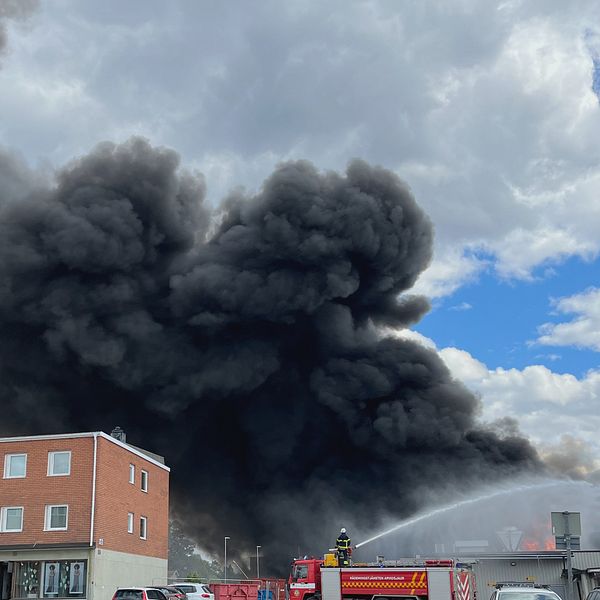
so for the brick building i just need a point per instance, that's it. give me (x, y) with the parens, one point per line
(80, 514)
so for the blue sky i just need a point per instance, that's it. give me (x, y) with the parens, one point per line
(488, 110)
(498, 320)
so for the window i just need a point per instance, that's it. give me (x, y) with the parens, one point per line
(155, 595)
(131, 473)
(143, 527)
(129, 595)
(11, 518)
(59, 463)
(144, 481)
(57, 517)
(51, 579)
(300, 572)
(77, 578)
(129, 522)
(15, 465)
(26, 579)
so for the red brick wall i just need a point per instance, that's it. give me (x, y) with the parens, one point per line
(115, 497)
(37, 490)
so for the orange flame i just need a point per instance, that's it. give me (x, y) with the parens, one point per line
(539, 537)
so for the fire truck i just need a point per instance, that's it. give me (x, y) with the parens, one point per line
(311, 579)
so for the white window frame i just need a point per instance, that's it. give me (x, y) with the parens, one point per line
(7, 458)
(51, 456)
(144, 528)
(130, 522)
(48, 515)
(131, 473)
(144, 481)
(3, 517)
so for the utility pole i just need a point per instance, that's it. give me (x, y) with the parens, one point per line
(569, 561)
(257, 563)
(566, 528)
(225, 560)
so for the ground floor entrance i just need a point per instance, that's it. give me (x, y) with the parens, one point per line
(53, 579)
(5, 580)
(83, 573)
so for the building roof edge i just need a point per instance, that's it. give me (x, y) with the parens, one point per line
(88, 434)
(133, 450)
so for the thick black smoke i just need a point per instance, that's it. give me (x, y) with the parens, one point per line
(242, 345)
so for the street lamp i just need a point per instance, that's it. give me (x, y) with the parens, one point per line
(225, 561)
(257, 563)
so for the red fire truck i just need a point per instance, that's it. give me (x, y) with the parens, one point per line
(432, 580)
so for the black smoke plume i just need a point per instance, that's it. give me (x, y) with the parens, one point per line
(241, 344)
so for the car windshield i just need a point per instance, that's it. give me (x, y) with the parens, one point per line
(528, 595)
(129, 594)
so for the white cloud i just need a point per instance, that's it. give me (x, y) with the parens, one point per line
(522, 250)
(584, 330)
(463, 366)
(559, 412)
(449, 271)
(533, 384)
(547, 405)
(408, 334)
(461, 307)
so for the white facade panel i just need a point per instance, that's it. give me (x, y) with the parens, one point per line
(331, 584)
(438, 584)
(117, 569)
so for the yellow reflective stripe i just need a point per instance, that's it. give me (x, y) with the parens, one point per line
(417, 585)
(412, 587)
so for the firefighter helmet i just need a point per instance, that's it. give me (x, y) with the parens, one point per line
(343, 530)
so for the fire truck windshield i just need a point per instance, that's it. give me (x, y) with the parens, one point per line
(300, 572)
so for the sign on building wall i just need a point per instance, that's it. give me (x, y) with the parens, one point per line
(566, 523)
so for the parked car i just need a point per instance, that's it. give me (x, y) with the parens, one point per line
(138, 593)
(594, 594)
(171, 592)
(523, 592)
(195, 591)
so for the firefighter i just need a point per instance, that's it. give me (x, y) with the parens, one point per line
(342, 546)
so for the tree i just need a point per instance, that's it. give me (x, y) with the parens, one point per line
(185, 558)
(181, 549)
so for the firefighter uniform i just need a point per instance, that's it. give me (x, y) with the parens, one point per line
(342, 545)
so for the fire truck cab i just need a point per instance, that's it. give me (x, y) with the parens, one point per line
(305, 579)
(432, 580)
